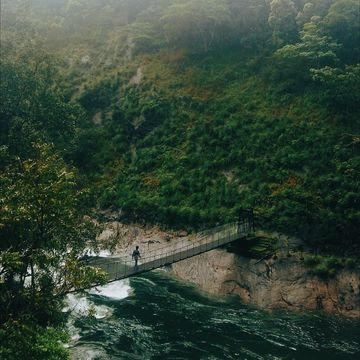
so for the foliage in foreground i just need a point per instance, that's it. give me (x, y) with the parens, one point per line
(43, 232)
(24, 339)
(42, 237)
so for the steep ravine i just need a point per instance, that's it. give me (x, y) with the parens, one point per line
(281, 283)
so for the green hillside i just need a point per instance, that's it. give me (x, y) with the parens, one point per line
(238, 104)
(245, 123)
(214, 135)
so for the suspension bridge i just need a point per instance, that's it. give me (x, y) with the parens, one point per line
(121, 267)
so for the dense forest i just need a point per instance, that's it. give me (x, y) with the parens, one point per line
(174, 112)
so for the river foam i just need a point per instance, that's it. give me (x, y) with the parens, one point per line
(81, 306)
(116, 290)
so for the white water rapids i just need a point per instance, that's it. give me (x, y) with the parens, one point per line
(79, 305)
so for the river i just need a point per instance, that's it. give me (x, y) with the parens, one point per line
(155, 316)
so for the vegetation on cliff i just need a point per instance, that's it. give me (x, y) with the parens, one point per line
(196, 109)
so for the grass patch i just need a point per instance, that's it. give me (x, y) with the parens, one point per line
(327, 267)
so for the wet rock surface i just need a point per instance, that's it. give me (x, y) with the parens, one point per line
(282, 283)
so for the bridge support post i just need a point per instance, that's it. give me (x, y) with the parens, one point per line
(246, 221)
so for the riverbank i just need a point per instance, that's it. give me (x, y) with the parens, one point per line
(278, 282)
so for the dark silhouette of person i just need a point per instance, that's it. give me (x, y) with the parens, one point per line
(136, 256)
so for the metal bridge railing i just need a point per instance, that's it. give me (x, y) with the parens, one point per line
(202, 237)
(122, 267)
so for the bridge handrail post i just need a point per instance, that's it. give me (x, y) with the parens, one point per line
(253, 220)
(107, 270)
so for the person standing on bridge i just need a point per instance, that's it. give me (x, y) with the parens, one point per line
(136, 256)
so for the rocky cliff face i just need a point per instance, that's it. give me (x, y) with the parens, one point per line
(272, 284)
